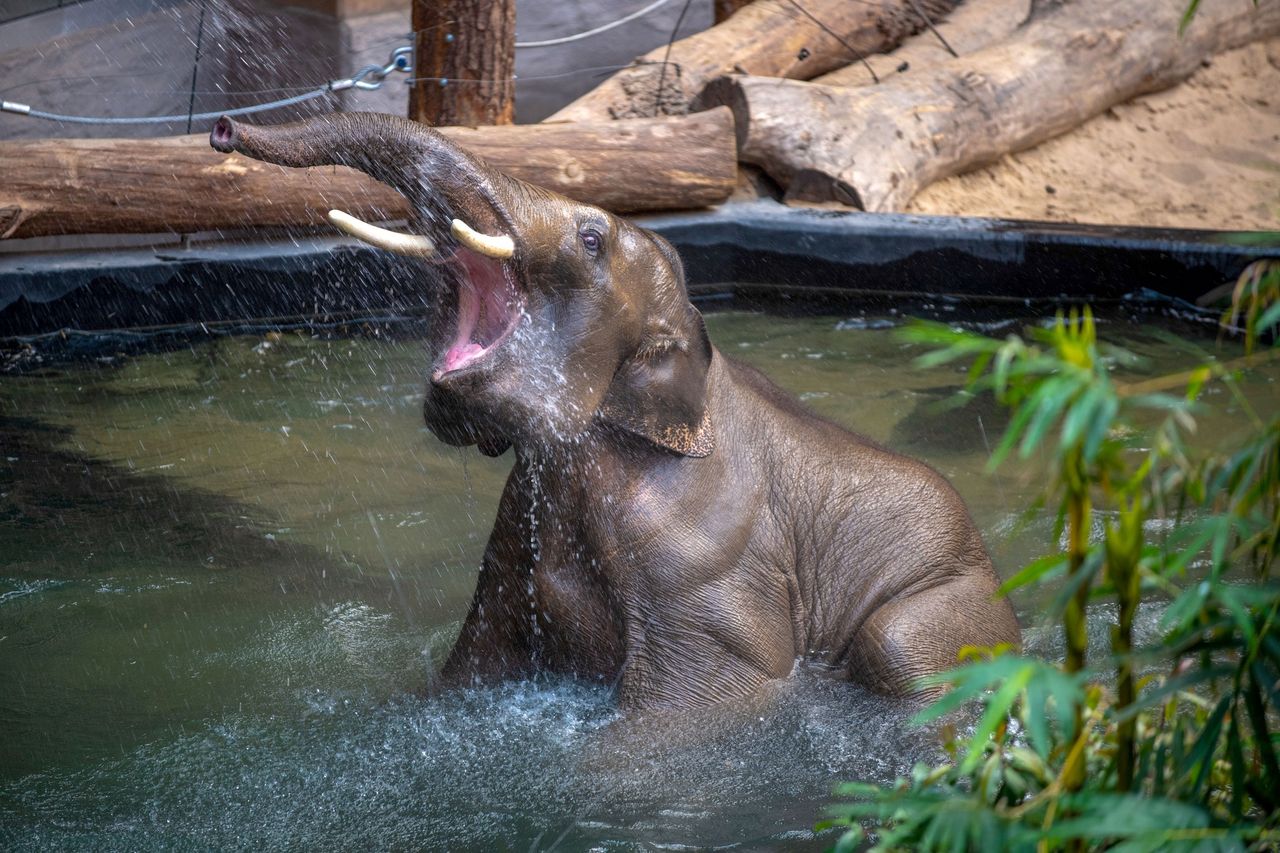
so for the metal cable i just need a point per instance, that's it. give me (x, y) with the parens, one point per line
(195, 68)
(400, 61)
(594, 32)
(857, 56)
(666, 59)
(23, 109)
(928, 23)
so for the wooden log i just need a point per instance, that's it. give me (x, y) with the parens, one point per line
(179, 184)
(970, 27)
(874, 147)
(770, 38)
(464, 58)
(724, 9)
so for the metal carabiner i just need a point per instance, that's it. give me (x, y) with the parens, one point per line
(401, 60)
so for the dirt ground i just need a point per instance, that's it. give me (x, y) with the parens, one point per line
(1204, 154)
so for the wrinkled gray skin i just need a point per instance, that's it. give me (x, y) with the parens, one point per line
(674, 523)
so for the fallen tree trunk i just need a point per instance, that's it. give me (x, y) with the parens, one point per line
(971, 26)
(770, 38)
(179, 184)
(875, 147)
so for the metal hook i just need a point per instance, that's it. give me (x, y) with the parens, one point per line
(401, 60)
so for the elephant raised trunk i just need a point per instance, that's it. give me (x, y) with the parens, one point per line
(443, 183)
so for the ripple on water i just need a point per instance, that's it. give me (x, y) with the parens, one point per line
(18, 588)
(517, 764)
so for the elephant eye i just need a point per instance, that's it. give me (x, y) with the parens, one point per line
(592, 240)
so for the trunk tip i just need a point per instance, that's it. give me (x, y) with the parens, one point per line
(223, 137)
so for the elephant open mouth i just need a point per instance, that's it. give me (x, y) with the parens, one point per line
(489, 301)
(489, 306)
(453, 201)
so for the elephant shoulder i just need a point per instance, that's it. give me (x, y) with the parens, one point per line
(759, 401)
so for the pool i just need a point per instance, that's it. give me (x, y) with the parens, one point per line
(230, 565)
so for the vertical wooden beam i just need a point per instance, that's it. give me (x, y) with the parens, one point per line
(726, 8)
(464, 62)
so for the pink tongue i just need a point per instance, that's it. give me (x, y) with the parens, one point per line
(460, 355)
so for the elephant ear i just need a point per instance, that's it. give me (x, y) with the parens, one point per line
(660, 392)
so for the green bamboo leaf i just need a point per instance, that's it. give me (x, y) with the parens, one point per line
(1186, 541)
(1159, 402)
(1172, 686)
(1036, 717)
(1081, 414)
(1270, 648)
(1258, 595)
(1030, 763)
(1230, 599)
(968, 683)
(978, 367)
(1101, 424)
(1187, 16)
(997, 711)
(850, 840)
(1067, 692)
(1000, 373)
(1162, 759)
(1011, 434)
(1104, 816)
(1051, 397)
(1223, 840)
(1269, 318)
(1235, 758)
(1184, 609)
(1048, 565)
(939, 357)
(1206, 745)
(1093, 561)
(858, 789)
(1263, 743)
(945, 704)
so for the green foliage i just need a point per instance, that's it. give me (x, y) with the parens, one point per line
(1171, 745)
(1189, 13)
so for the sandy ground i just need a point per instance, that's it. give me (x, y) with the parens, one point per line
(1204, 154)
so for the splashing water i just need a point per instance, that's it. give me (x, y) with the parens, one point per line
(211, 629)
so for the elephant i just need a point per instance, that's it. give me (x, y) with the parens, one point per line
(674, 524)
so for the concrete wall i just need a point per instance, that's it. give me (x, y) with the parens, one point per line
(140, 57)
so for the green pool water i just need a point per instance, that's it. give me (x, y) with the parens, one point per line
(225, 569)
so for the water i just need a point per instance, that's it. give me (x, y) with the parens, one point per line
(226, 570)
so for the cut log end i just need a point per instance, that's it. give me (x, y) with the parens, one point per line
(725, 92)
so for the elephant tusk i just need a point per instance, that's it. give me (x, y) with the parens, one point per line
(501, 247)
(393, 241)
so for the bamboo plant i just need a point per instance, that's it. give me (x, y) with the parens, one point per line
(1123, 746)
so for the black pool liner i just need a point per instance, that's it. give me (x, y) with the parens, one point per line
(758, 253)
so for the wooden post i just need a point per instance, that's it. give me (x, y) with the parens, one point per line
(464, 62)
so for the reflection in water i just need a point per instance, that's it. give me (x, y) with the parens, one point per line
(227, 569)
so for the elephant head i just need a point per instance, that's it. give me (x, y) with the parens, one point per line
(554, 315)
